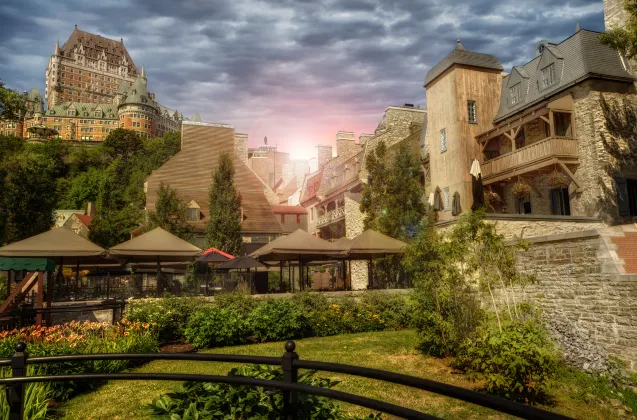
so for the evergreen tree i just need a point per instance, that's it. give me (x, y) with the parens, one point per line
(392, 199)
(223, 231)
(624, 39)
(170, 213)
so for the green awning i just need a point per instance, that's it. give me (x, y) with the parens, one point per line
(27, 264)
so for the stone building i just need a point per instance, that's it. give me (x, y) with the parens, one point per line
(189, 172)
(88, 68)
(291, 218)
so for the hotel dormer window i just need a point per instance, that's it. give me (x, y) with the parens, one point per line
(515, 94)
(548, 76)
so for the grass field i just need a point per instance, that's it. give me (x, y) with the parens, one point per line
(390, 350)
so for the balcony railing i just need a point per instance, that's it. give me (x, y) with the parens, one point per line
(529, 157)
(330, 217)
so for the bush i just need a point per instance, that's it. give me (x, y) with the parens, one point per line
(218, 401)
(169, 313)
(216, 327)
(518, 362)
(276, 320)
(395, 311)
(240, 302)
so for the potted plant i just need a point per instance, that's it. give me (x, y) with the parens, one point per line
(521, 190)
(557, 179)
(491, 198)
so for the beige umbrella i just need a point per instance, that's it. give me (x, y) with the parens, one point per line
(299, 245)
(372, 244)
(155, 246)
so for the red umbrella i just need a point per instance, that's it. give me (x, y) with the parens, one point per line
(214, 256)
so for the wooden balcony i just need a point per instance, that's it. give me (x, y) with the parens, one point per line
(331, 217)
(550, 151)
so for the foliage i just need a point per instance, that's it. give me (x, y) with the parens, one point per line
(557, 179)
(170, 213)
(624, 39)
(275, 284)
(276, 320)
(223, 230)
(446, 308)
(112, 227)
(241, 302)
(392, 199)
(521, 190)
(75, 338)
(212, 326)
(82, 189)
(12, 103)
(517, 362)
(170, 314)
(491, 198)
(194, 400)
(123, 144)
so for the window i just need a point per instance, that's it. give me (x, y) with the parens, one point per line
(626, 196)
(193, 215)
(472, 112)
(446, 198)
(560, 204)
(548, 76)
(515, 94)
(298, 219)
(562, 124)
(283, 218)
(443, 140)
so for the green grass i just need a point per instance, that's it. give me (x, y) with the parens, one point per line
(389, 350)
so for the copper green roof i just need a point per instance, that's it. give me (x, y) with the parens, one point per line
(83, 110)
(138, 94)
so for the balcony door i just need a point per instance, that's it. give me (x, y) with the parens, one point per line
(563, 124)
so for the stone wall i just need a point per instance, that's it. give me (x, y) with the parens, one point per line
(323, 154)
(354, 227)
(103, 315)
(614, 14)
(579, 285)
(528, 226)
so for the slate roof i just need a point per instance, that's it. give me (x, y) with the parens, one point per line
(82, 109)
(94, 45)
(138, 94)
(460, 55)
(578, 57)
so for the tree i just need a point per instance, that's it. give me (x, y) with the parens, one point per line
(624, 39)
(123, 144)
(170, 213)
(114, 226)
(392, 199)
(28, 195)
(223, 231)
(12, 104)
(82, 189)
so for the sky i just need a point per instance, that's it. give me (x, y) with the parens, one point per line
(294, 71)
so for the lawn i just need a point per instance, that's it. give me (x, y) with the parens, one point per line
(389, 350)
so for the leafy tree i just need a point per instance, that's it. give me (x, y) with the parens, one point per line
(113, 226)
(223, 231)
(10, 145)
(12, 103)
(170, 213)
(123, 144)
(624, 39)
(82, 189)
(28, 195)
(392, 200)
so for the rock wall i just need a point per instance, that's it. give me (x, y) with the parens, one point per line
(354, 227)
(614, 14)
(581, 290)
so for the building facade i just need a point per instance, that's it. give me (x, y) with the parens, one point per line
(88, 68)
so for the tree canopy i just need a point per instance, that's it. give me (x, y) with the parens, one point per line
(170, 213)
(12, 103)
(223, 230)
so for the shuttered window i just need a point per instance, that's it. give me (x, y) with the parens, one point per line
(443, 140)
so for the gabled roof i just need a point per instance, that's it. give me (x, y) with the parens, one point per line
(460, 55)
(578, 57)
(85, 219)
(313, 181)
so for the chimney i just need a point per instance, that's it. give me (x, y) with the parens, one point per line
(324, 155)
(409, 105)
(241, 146)
(363, 138)
(345, 144)
(90, 209)
(288, 172)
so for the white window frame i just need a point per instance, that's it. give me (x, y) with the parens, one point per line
(548, 76)
(514, 91)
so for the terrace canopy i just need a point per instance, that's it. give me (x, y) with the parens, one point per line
(214, 256)
(158, 246)
(299, 246)
(372, 244)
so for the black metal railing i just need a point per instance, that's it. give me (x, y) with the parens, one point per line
(290, 364)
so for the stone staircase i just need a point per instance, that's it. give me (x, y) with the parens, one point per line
(621, 242)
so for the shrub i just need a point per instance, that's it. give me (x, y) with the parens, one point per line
(169, 313)
(216, 400)
(518, 362)
(521, 190)
(216, 327)
(240, 302)
(277, 319)
(394, 310)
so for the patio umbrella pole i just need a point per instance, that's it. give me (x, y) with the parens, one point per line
(77, 279)
(281, 276)
(158, 278)
(290, 278)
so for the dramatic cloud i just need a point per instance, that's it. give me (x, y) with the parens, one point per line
(296, 71)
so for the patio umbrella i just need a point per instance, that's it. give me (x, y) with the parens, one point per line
(240, 263)
(455, 206)
(214, 257)
(155, 246)
(371, 244)
(299, 245)
(477, 188)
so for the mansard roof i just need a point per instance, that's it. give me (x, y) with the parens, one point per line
(83, 110)
(580, 56)
(94, 45)
(460, 55)
(138, 94)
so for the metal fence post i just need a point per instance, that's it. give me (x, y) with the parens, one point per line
(290, 375)
(16, 391)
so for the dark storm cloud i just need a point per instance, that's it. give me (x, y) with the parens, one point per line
(325, 65)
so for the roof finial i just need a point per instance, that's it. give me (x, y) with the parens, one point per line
(56, 49)
(459, 45)
(577, 27)
(76, 26)
(143, 72)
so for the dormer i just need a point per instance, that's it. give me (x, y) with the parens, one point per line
(194, 211)
(517, 86)
(549, 68)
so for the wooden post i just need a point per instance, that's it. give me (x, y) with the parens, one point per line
(49, 296)
(39, 299)
(551, 123)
